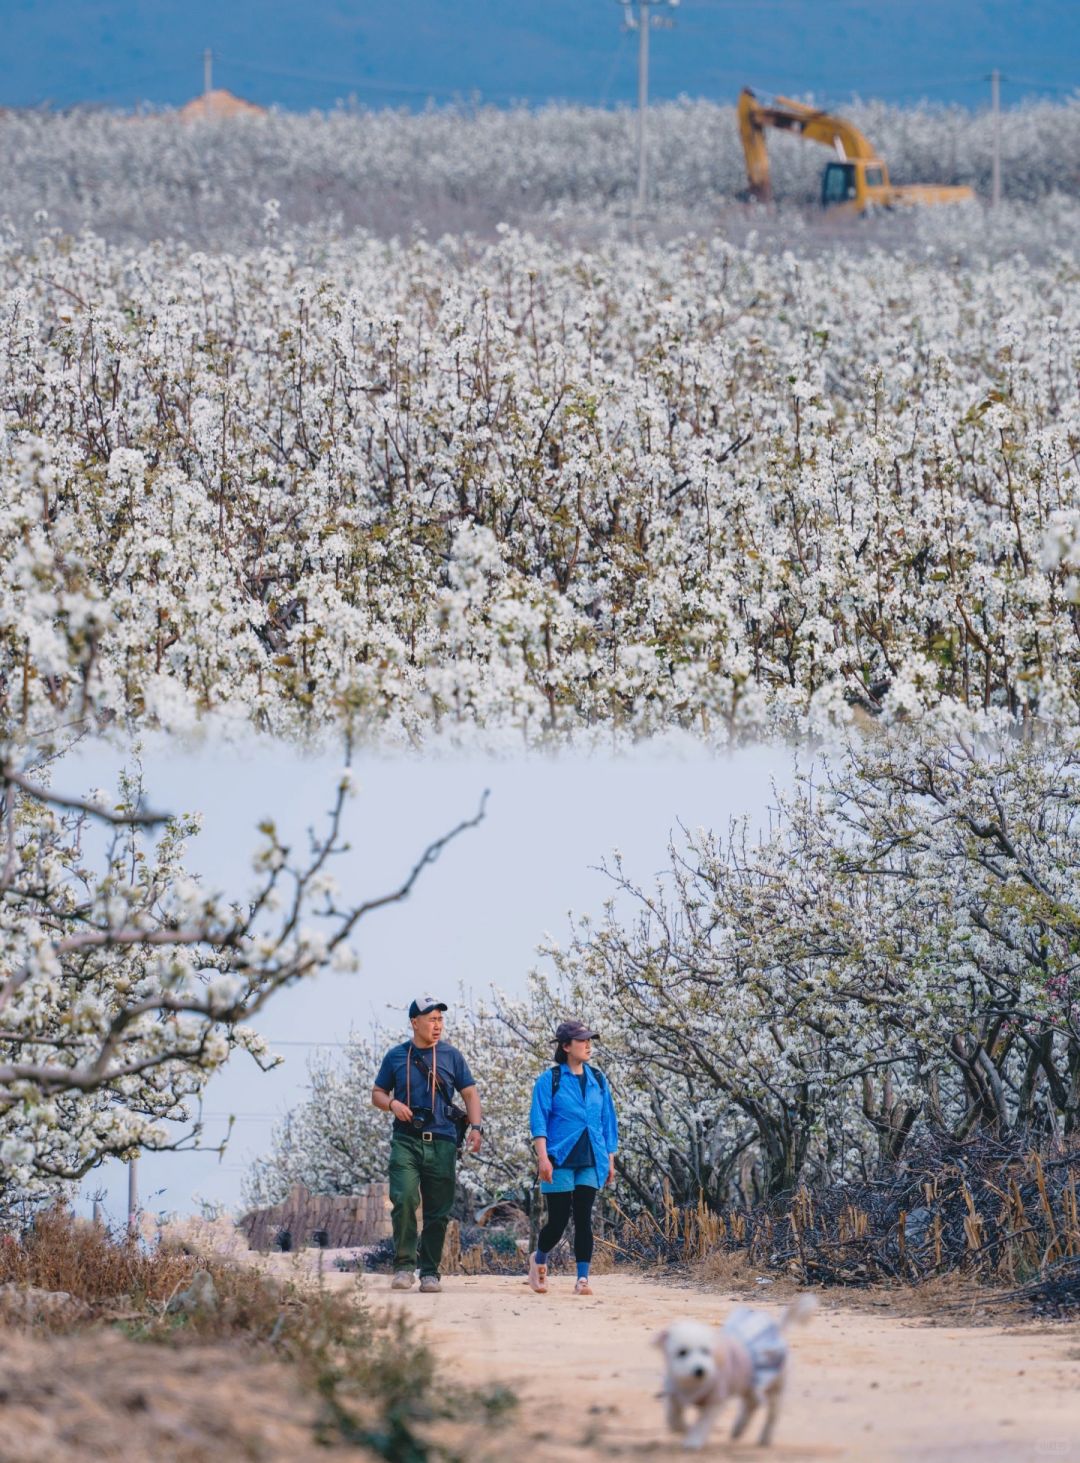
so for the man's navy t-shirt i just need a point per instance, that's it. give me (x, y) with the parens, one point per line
(448, 1064)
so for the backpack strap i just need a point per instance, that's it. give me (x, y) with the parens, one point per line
(556, 1078)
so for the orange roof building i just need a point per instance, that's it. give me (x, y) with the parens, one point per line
(213, 106)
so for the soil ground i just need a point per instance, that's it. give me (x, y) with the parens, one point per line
(864, 1384)
(98, 1397)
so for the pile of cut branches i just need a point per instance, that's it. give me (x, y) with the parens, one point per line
(989, 1209)
(1054, 1293)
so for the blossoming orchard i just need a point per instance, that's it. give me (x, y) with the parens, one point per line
(549, 480)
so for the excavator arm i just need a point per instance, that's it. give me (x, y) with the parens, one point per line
(788, 116)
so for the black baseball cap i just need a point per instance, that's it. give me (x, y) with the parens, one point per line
(575, 1031)
(421, 1005)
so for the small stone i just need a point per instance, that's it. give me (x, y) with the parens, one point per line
(32, 1302)
(270, 1286)
(199, 1299)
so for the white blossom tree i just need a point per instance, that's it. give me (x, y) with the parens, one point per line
(457, 170)
(335, 1141)
(515, 491)
(124, 984)
(898, 955)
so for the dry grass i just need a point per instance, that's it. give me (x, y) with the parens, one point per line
(206, 1238)
(725, 1269)
(369, 1382)
(82, 1260)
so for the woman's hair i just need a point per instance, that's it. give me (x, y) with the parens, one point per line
(560, 1054)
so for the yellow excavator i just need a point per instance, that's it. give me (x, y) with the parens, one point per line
(855, 182)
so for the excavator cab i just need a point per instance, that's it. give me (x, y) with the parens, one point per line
(838, 184)
(857, 184)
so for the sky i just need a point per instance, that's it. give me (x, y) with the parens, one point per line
(312, 54)
(474, 920)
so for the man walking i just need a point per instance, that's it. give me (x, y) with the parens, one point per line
(416, 1085)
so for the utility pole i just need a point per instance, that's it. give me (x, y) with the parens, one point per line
(995, 107)
(644, 26)
(207, 71)
(642, 22)
(133, 1195)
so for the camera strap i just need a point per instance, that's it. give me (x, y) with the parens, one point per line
(431, 1076)
(455, 1114)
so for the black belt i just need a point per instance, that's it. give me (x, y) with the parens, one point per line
(427, 1137)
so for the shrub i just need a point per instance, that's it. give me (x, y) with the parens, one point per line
(379, 1386)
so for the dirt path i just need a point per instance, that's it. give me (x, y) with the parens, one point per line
(862, 1385)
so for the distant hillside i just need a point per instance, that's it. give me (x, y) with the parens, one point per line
(118, 52)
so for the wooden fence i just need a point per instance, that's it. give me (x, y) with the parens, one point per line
(328, 1221)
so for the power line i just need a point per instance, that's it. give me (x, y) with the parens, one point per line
(1066, 86)
(751, 7)
(271, 1042)
(239, 1117)
(361, 84)
(354, 82)
(620, 50)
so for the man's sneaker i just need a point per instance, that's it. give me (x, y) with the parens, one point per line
(430, 1284)
(403, 1280)
(583, 1287)
(537, 1276)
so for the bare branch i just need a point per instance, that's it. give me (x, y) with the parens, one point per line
(80, 805)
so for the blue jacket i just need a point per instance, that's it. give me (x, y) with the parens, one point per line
(563, 1123)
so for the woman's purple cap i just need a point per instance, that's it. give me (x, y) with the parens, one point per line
(575, 1031)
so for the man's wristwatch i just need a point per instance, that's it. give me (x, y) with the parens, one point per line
(476, 1127)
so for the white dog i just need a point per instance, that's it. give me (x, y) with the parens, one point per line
(746, 1359)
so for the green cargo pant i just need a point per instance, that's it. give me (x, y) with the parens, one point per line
(424, 1172)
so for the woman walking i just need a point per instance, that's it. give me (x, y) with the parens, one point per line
(575, 1133)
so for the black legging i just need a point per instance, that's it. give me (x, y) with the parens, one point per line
(558, 1216)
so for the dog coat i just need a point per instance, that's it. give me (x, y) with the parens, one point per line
(763, 1341)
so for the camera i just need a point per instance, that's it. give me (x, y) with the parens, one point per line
(422, 1117)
